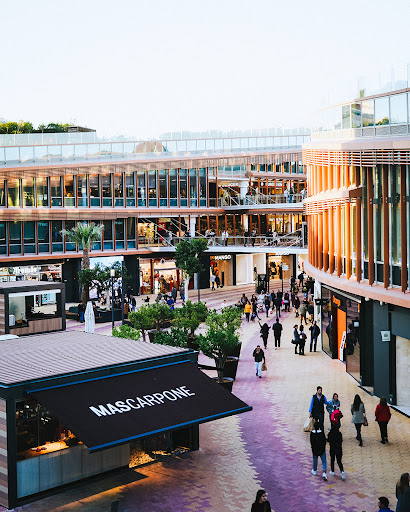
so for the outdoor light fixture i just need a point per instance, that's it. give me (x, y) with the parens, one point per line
(366, 299)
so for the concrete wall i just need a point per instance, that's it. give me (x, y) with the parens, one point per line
(402, 371)
(244, 269)
(381, 350)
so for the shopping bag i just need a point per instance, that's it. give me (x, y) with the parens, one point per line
(309, 424)
(264, 367)
(366, 423)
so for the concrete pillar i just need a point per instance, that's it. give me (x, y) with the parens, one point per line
(243, 187)
(245, 222)
(191, 223)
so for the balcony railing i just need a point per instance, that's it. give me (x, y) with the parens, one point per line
(260, 199)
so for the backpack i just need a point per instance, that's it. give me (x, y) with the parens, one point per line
(302, 336)
(335, 416)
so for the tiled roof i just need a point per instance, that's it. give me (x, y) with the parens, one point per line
(45, 355)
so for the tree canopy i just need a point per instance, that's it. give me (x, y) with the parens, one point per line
(27, 127)
(188, 255)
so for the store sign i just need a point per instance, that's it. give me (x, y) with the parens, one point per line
(337, 302)
(223, 257)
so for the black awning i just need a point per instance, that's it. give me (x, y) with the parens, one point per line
(115, 410)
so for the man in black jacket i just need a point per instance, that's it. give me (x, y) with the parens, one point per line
(259, 356)
(277, 332)
(314, 333)
(317, 406)
(278, 303)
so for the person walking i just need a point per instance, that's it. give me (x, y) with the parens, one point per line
(358, 417)
(278, 303)
(402, 485)
(286, 302)
(332, 405)
(335, 440)
(303, 311)
(383, 416)
(383, 504)
(296, 337)
(297, 305)
(254, 304)
(217, 281)
(317, 406)
(318, 445)
(302, 340)
(245, 238)
(253, 237)
(247, 310)
(213, 281)
(264, 334)
(261, 503)
(259, 356)
(403, 504)
(314, 333)
(291, 194)
(174, 292)
(301, 277)
(277, 332)
(267, 304)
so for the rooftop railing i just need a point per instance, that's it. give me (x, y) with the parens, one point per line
(112, 151)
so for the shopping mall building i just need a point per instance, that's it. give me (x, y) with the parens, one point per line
(146, 195)
(358, 218)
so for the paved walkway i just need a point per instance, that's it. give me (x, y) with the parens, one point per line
(263, 448)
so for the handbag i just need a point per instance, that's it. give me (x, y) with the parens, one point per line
(264, 367)
(365, 423)
(309, 424)
(294, 342)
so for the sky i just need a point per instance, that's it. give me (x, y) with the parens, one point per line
(142, 68)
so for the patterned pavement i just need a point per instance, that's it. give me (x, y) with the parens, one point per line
(263, 448)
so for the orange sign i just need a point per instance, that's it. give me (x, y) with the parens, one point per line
(336, 301)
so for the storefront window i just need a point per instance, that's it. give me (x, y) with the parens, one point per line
(15, 237)
(193, 187)
(183, 187)
(142, 195)
(353, 338)
(326, 327)
(118, 190)
(145, 276)
(3, 238)
(56, 236)
(13, 192)
(165, 275)
(95, 198)
(381, 111)
(398, 109)
(395, 219)
(56, 191)
(82, 195)
(146, 233)
(69, 191)
(29, 237)
(43, 236)
(130, 188)
(28, 192)
(163, 188)
(108, 235)
(173, 187)
(106, 189)
(33, 306)
(131, 226)
(379, 214)
(69, 246)
(368, 113)
(42, 191)
(119, 234)
(152, 188)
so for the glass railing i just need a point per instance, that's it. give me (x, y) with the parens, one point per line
(260, 199)
(134, 150)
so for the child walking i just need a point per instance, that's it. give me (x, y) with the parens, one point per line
(335, 440)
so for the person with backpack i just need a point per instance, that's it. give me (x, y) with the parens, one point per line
(333, 405)
(264, 334)
(302, 340)
(318, 445)
(295, 340)
(277, 332)
(314, 333)
(335, 440)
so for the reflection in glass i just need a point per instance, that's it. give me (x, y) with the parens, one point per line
(106, 189)
(398, 109)
(69, 192)
(95, 190)
(3, 238)
(56, 236)
(131, 225)
(141, 187)
(108, 235)
(183, 187)
(368, 113)
(395, 219)
(69, 225)
(56, 191)
(193, 188)
(163, 188)
(356, 112)
(173, 187)
(82, 195)
(118, 190)
(119, 234)
(152, 188)
(28, 192)
(29, 237)
(130, 188)
(43, 236)
(42, 191)
(13, 192)
(202, 187)
(15, 237)
(2, 193)
(381, 111)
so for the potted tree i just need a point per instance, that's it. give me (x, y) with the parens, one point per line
(189, 317)
(220, 339)
(126, 331)
(84, 235)
(176, 337)
(142, 320)
(188, 254)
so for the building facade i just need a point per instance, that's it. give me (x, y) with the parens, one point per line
(147, 195)
(358, 167)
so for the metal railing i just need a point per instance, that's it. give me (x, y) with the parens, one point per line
(260, 199)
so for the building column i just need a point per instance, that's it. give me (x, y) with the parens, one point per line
(243, 188)
(403, 227)
(331, 242)
(358, 230)
(191, 223)
(386, 228)
(325, 240)
(320, 239)
(348, 244)
(339, 266)
(245, 222)
(370, 222)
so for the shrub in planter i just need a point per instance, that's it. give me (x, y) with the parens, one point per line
(142, 320)
(126, 331)
(176, 337)
(221, 337)
(190, 316)
(160, 314)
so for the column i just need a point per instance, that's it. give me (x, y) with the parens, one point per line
(339, 266)
(245, 222)
(348, 244)
(243, 188)
(326, 240)
(370, 222)
(331, 242)
(386, 228)
(320, 239)
(403, 227)
(358, 230)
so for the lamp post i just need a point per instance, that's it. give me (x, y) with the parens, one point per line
(112, 274)
(122, 293)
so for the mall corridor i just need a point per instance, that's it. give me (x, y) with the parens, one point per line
(265, 448)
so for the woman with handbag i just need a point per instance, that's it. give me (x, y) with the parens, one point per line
(358, 417)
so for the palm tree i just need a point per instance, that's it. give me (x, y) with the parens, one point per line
(84, 235)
